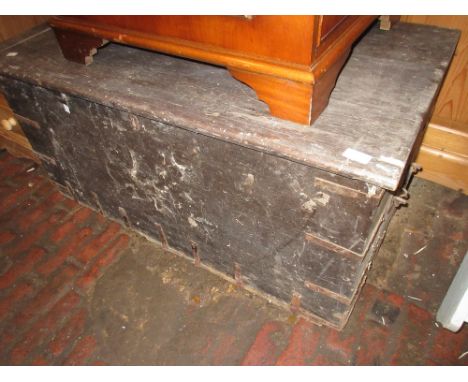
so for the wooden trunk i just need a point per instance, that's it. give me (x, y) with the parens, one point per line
(182, 153)
(292, 62)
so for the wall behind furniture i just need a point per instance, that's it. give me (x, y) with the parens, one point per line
(11, 26)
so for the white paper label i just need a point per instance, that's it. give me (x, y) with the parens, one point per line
(357, 156)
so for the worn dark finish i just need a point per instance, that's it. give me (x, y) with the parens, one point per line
(217, 180)
(385, 90)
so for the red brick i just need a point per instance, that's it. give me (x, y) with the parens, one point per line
(31, 183)
(225, 347)
(18, 294)
(40, 361)
(342, 343)
(99, 363)
(395, 299)
(7, 338)
(33, 217)
(76, 219)
(21, 267)
(36, 235)
(413, 339)
(302, 346)
(13, 199)
(26, 179)
(71, 330)
(35, 197)
(83, 349)
(69, 248)
(205, 350)
(446, 254)
(431, 363)
(6, 159)
(105, 259)
(44, 190)
(101, 219)
(48, 295)
(6, 237)
(57, 217)
(264, 350)
(327, 359)
(56, 197)
(5, 189)
(93, 248)
(11, 168)
(457, 236)
(16, 214)
(36, 215)
(69, 203)
(448, 347)
(372, 345)
(417, 314)
(43, 329)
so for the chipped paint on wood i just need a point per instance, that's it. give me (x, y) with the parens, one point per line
(232, 204)
(380, 93)
(181, 145)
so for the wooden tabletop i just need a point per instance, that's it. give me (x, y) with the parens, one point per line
(377, 111)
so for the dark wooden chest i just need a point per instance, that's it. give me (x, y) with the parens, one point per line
(184, 154)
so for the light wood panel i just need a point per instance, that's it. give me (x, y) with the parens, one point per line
(447, 135)
(444, 154)
(444, 150)
(11, 26)
(452, 103)
(445, 168)
(12, 137)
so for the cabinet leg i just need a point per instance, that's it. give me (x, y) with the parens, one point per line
(295, 101)
(386, 22)
(286, 99)
(78, 47)
(325, 84)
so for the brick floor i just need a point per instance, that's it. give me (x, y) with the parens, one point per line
(78, 289)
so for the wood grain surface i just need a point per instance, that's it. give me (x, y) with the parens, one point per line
(11, 26)
(452, 103)
(382, 122)
(444, 151)
(14, 140)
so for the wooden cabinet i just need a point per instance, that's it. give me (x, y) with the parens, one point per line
(292, 62)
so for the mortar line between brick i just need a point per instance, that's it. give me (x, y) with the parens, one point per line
(54, 249)
(24, 329)
(25, 211)
(22, 198)
(42, 349)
